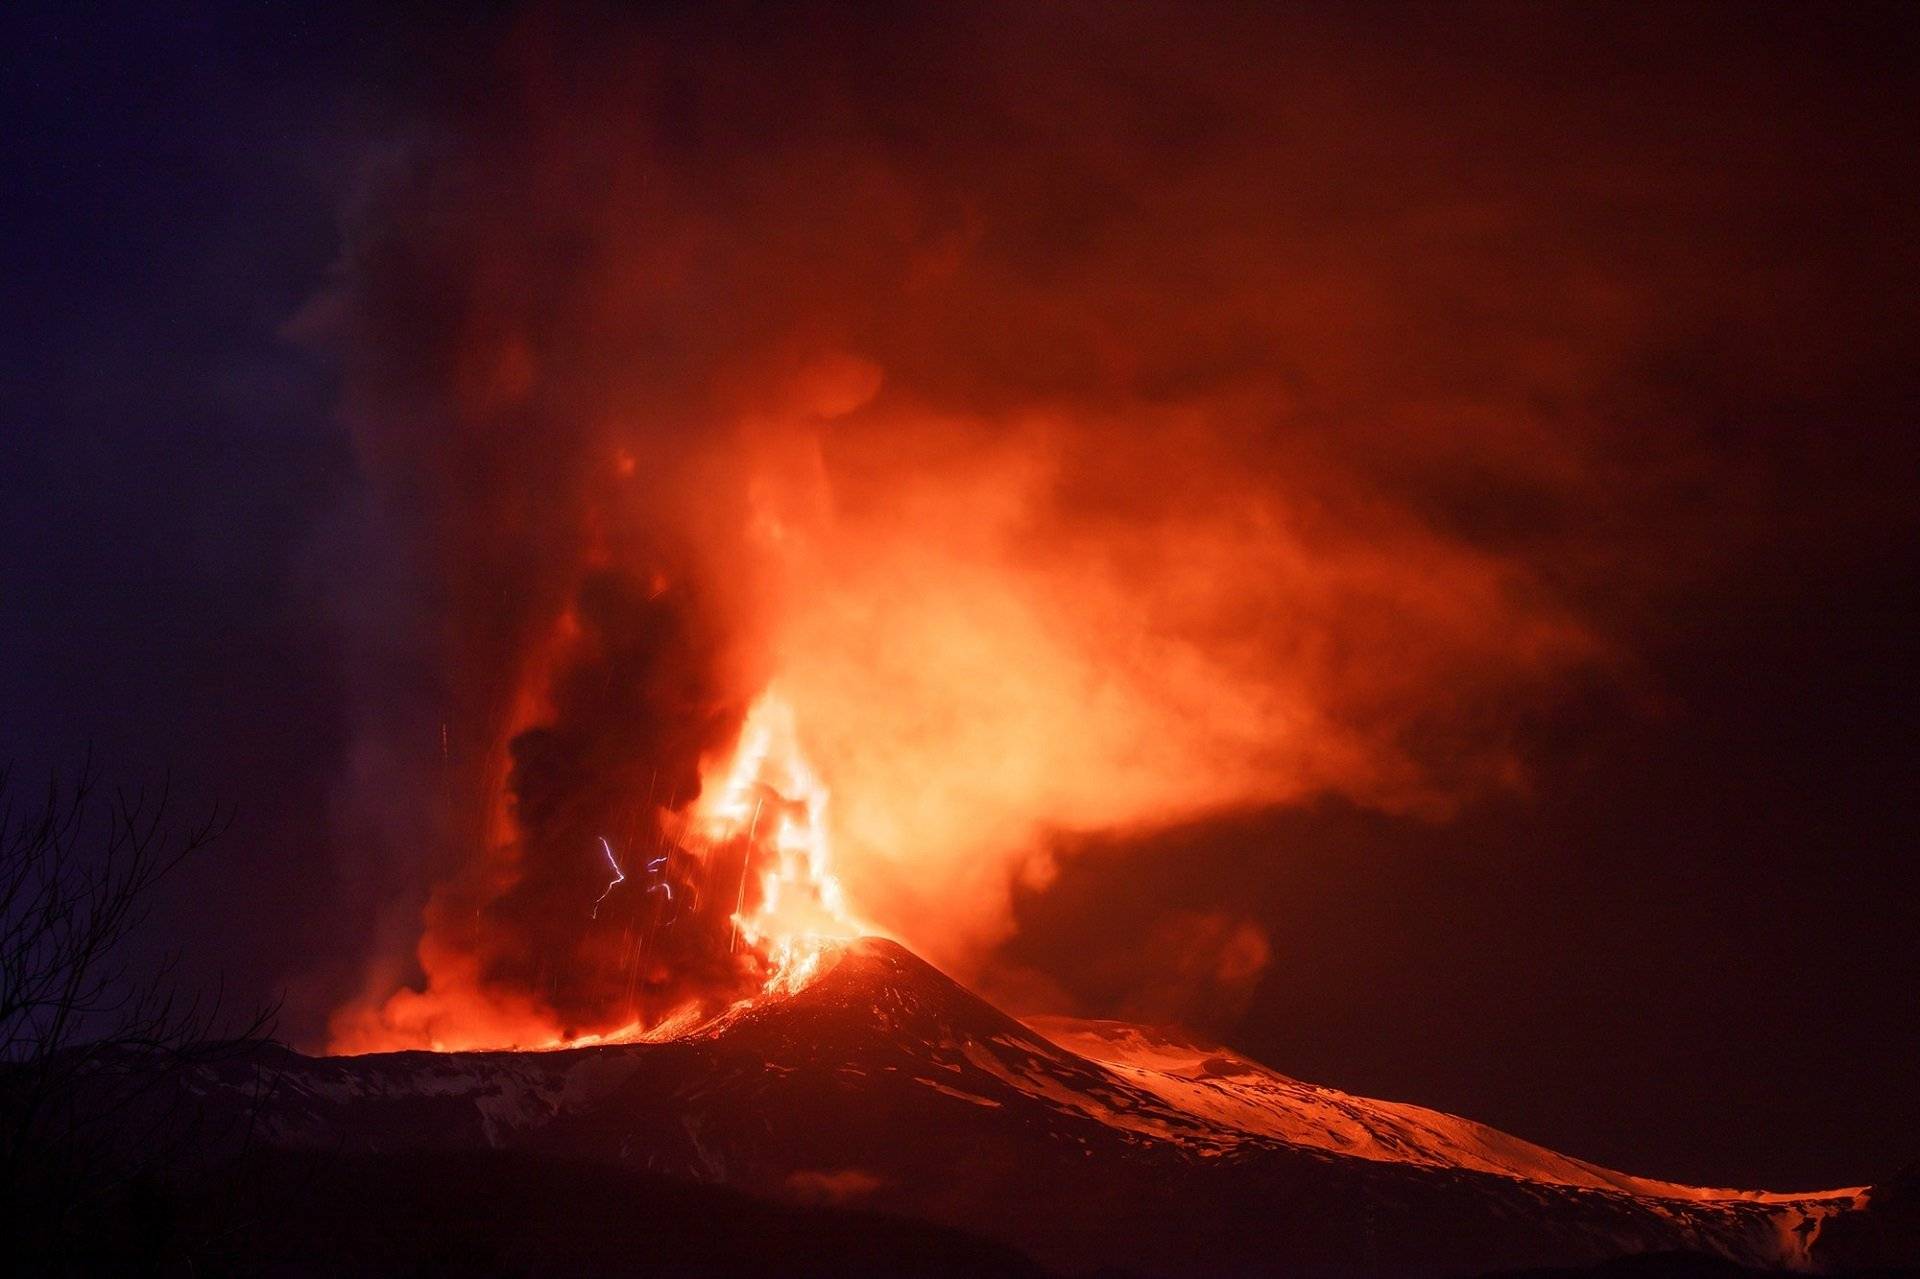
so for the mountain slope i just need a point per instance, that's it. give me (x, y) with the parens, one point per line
(885, 1085)
(1244, 1096)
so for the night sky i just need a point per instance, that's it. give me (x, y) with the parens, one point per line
(1682, 945)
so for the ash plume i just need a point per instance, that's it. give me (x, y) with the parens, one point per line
(1055, 411)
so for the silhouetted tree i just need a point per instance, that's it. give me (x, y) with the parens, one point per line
(95, 1046)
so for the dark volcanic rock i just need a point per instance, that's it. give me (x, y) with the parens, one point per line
(885, 1086)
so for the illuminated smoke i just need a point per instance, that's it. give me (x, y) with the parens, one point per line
(1045, 447)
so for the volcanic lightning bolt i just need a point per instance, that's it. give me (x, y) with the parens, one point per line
(619, 878)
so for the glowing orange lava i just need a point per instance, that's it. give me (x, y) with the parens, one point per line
(756, 853)
(769, 795)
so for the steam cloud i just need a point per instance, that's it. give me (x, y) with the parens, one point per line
(1086, 419)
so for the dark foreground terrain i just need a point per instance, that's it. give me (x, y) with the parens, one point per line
(886, 1121)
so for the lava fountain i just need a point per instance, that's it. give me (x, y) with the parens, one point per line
(801, 908)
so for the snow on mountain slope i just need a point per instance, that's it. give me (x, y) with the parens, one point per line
(1240, 1094)
(885, 1084)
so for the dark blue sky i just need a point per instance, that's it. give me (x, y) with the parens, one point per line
(167, 458)
(1688, 952)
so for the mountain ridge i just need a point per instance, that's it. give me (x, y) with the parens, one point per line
(884, 1085)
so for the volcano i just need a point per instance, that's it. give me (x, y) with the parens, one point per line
(885, 1090)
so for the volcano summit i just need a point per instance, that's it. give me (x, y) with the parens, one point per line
(882, 1086)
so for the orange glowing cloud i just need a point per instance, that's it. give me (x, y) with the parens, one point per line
(1082, 479)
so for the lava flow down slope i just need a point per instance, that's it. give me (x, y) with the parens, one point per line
(881, 1084)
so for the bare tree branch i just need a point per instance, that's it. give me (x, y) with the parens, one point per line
(93, 1051)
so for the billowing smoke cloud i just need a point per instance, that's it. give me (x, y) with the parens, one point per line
(1085, 420)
